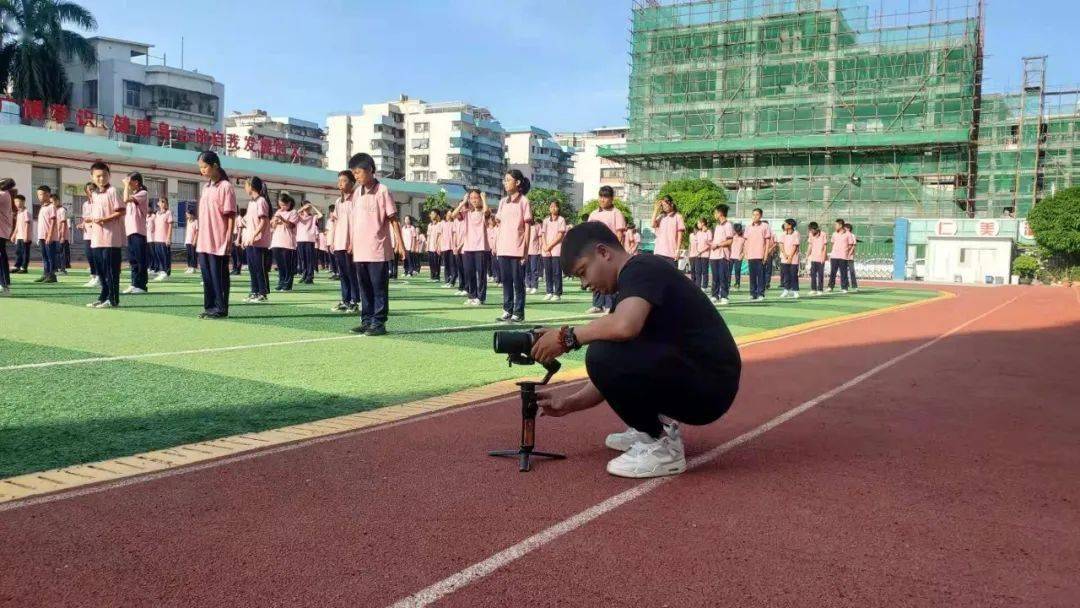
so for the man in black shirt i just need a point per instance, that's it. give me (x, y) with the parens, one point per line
(662, 357)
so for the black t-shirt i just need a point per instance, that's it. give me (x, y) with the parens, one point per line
(681, 315)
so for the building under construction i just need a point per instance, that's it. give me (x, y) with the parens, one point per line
(818, 109)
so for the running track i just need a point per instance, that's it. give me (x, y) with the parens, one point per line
(945, 477)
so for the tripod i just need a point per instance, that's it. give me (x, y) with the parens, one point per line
(529, 408)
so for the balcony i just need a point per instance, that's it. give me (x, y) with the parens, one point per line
(155, 110)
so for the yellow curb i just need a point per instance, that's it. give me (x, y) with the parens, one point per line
(70, 477)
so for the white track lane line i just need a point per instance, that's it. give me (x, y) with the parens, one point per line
(483, 568)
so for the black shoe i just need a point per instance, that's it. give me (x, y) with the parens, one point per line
(42, 278)
(362, 329)
(51, 279)
(279, 288)
(377, 330)
(63, 272)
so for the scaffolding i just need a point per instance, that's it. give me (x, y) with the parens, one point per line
(811, 109)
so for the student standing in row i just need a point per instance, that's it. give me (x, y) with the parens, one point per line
(153, 252)
(21, 235)
(513, 219)
(474, 212)
(283, 240)
(191, 232)
(532, 275)
(340, 244)
(851, 256)
(670, 227)
(789, 260)
(720, 255)
(307, 232)
(7, 229)
(136, 202)
(108, 235)
(322, 254)
(493, 242)
(459, 258)
(433, 250)
(704, 246)
(163, 230)
(553, 232)
(738, 254)
(759, 240)
(608, 215)
(328, 229)
(841, 244)
(372, 222)
(47, 235)
(217, 213)
(816, 244)
(63, 252)
(408, 234)
(236, 253)
(91, 259)
(257, 239)
(447, 244)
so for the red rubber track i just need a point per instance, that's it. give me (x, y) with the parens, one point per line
(947, 479)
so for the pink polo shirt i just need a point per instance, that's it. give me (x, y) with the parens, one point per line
(110, 233)
(135, 216)
(552, 229)
(46, 221)
(612, 218)
(163, 226)
(320, 242)
(151, 228)
(369, 223)
(633, 241)
(408, 235)
(307, 228)
(493, 238)
(704, 238)
(23, 223)
(667, 228)
(475, 231)
(817, 244)
(62, 224)
(457, 229)
(87, 210)
(840, 242)
(284, 235)
(216, 205)
(536, 239)
(513, 215)
(433, 237)
(190, 231)
(721, 233)
(256, 210)
(339, 239)
(757, 240)
(738, 247)
(789, 246)
(853, 241)
(7, 216)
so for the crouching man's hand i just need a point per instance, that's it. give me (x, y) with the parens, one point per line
(553, 405)
(548, 346)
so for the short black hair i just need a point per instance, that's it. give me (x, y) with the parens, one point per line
(347, 175)
(20, 197)
(362, 160)
(812, 226)
(791, 221)
(332, 207)
(839, 220)
(100, 166)
(758, 210)
(45, 189)
(582, 238)
(285, 197)
(848, 226)
(722, 208)
(607, 191)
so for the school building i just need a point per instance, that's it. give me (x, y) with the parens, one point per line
(34, 157)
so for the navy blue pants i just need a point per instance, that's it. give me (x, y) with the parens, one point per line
(851, 273)
(532, 278)
(5, 270)
(22, 255)
(286, 267)
(475, 263)
(108, 265)
(306, 254)
(721, 272)
(138, 258)
(433, 265)
(192, 257)
(553, 279)
(605, 301)
(216, 283)
(837, 265)
(260, 278)
(789, 277)
(165, 257)
(65, 256)
(817, 276)
(237, 256)
(757, 278)
(512, 272)
(768, 272)
(47, 257)
(374, 280)
(350, 288)
(449, 270)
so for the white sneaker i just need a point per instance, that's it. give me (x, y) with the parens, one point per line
(714, 300)
(93, 282)
(468, 302)
(624, 440)
(532, 291)
(128, 290)
(654, 458)
(105, 304)
(724, 302)
(843, 291)
(189, 271)
(461, 293)
(557, 298)
(794, 295)
(548, 297)
(476, 302)
(93, 304)
(136, 291)
(594, 310)
(5, 290)
(785, 294)
(505, 316)
(516, 319)
(161, 277)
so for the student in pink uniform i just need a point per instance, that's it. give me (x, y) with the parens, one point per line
(283, 240)
(191, 233)
(63, 225)
(328, 230)
(307, 232)
(473, 213)
(841, 245)
(758, 242)
(633, 240)
(513, 218)
(322, 257)
(433, 247)
(373, 221)
(608, 215)
(21, 235)
(154, 264)
(48, 235)
(7, 229)
(816, 244)
(163, 231)
(447, 247)
(553, 232)
(257, 238)
(339, 243)
(136, 201)
(670, 227)
(408, 235)
(237, 253)
(851, 256)
(85, 229)
(217, 214)
(534, 269)
(421, 250)
(700, 266)
(493, 243)
(789, 260)
(109, 238)
(738, 254)
(459, 258)
(719, 256)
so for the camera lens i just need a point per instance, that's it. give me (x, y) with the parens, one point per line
(513, 342)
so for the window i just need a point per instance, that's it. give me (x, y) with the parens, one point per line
(44, 176)
(421, 127)
(90, 93)
(156, 189)
(132, 95)
(187, 197)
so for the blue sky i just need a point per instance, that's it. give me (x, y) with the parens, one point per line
(557, 64)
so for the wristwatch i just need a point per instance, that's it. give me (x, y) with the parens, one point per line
(568, 338)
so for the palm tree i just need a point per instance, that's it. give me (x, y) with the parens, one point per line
(34, 46)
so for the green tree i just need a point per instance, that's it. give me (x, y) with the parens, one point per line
(1055, 220)
(540, 198)
(594, 204)
(435, 202)
(34, 46)
(695, 199)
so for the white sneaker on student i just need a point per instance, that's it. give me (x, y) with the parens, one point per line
(624, 440)
(467, 302)
(160, 277)
(794, 295)
(516, 319)
(476, 302)
(105, 304)
(843, 291)
(460, 292)
(5, 290)
(505, 316)
(548, 297)
(93, 282)
(128, 290)
(724, 302)
(714, 300)
(557, 298)
(136, 291)
(594, 310)
(654, 458)
(189, 271)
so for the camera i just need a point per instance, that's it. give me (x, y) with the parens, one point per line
(514, 342)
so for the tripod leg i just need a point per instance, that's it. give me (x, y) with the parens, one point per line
(550, 455)
(524, 463)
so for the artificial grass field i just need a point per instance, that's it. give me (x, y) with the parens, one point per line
(57, 415)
